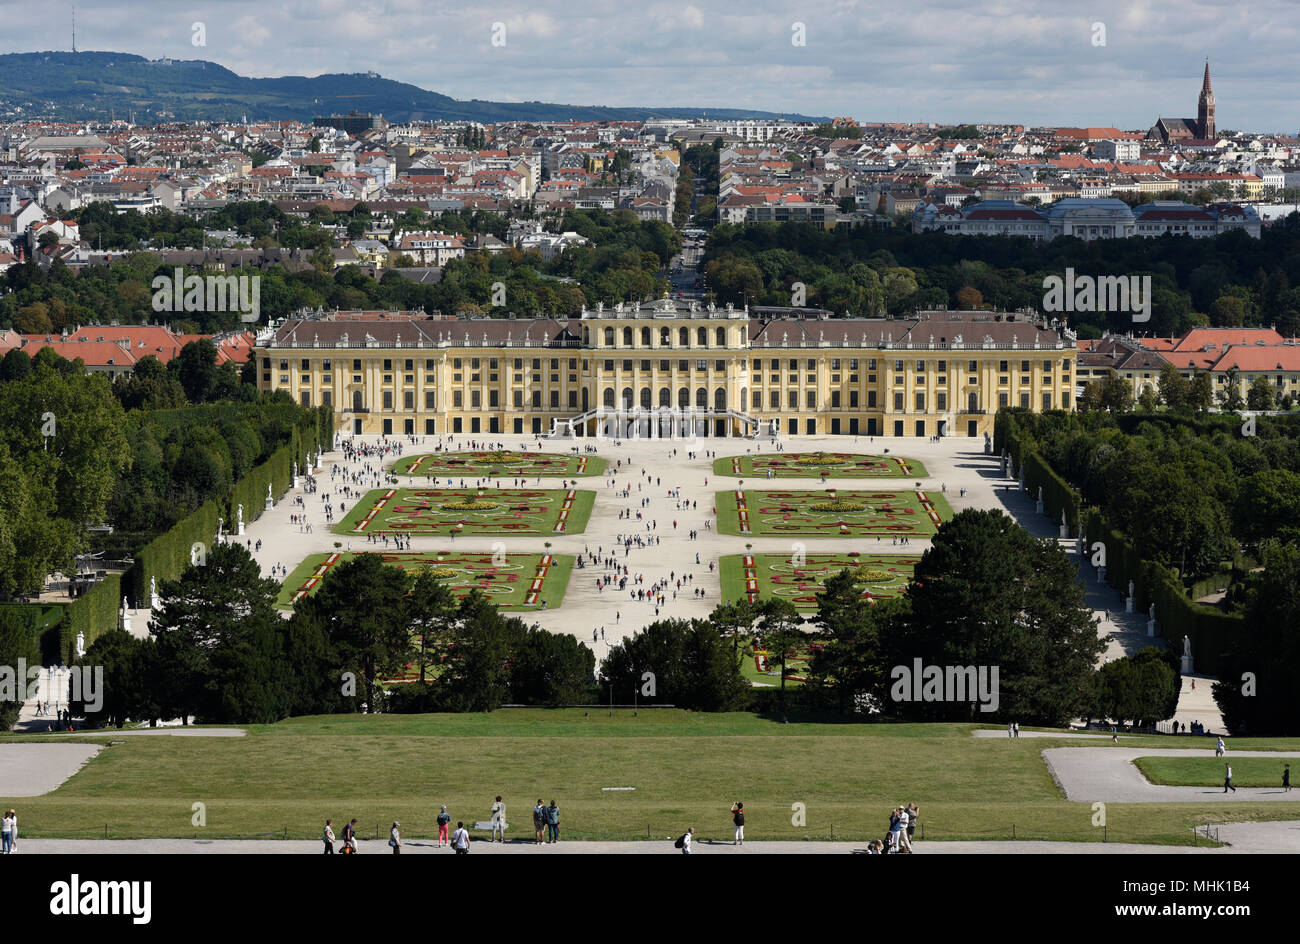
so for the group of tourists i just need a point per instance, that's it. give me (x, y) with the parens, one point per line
(546, 829)
(902, 827)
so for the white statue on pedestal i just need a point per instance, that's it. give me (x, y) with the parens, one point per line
(81, 644)
(239, 520)
(126, 614)
(154, 602)
(269, 500)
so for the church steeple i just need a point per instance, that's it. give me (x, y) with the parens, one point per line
(1205, 107)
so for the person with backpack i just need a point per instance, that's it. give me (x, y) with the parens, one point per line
(539, 822)
(460, 839)
(684, 841)
(395, 838)
(328, 837)
(552, 823)
(350, 838)
(738, 820)
(444, 823)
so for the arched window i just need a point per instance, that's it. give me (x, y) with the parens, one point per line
(665, 397)
(609, 396)
(684, 337)
(702, 337)
(702, 398)
(627, 399)
(683, 396)
(609, 337)
(645, 337)
(356, 401)
(645, 397)
(627, 337)
(973, 404)
(586, 337)
(665, 337)
(721, 335)
(720, 398)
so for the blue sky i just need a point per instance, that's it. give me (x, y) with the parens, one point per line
(1032, 62)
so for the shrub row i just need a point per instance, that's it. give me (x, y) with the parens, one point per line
(93, 614)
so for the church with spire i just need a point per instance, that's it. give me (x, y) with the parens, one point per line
(1196, 130)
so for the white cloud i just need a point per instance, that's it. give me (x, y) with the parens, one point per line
(944, 60)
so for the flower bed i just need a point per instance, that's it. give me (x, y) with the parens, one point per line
(830, 507)
(476, 505)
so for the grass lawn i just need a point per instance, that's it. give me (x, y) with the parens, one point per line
(507, 464)
(512, 511)
(757, 577)
(829, 513)
(512, 581)
(688, 768)
(758, 671)
(1208, 771)
(835, 465)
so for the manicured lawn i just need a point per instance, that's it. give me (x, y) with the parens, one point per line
(507, 464)
(512, 511)
(829, 513)
(1208, 771)
(835, 465)
(688, 768)
(799, 578)
(760, 671)
(511, 581)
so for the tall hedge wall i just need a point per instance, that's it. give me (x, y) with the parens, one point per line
(250, 491)
(166, 556)
(93, 614)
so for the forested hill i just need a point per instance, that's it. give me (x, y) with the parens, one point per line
(92, 85)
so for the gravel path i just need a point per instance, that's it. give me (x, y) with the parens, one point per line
(28, 770)
(1108, 774)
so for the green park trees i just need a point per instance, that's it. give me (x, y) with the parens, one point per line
(1140, 689)
(62, 450)
(688, 663)
(1256, 693)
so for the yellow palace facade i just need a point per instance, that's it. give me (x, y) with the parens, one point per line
(670, 369)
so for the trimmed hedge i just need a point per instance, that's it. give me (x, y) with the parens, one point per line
(250, 491)
(94, 614)
(55, 625)
(1058, 496)
(167, 555)
(1210, 630)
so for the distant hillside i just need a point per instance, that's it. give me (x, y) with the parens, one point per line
(91, 85)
